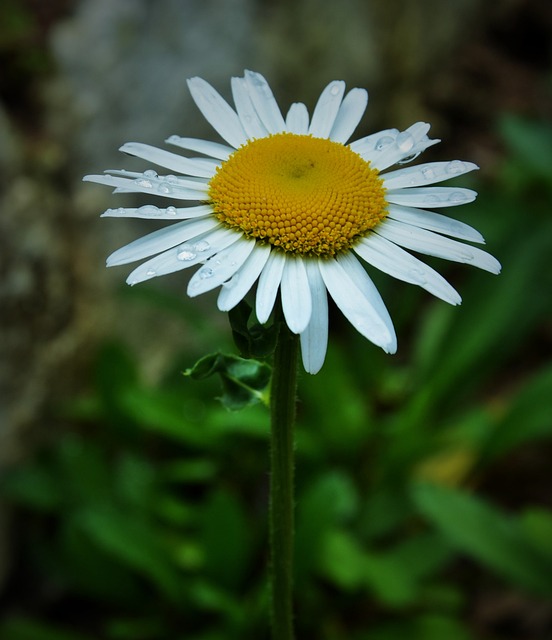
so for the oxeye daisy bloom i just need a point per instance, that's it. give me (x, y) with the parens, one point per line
(289, 205)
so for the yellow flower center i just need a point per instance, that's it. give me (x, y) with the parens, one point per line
(304, 195)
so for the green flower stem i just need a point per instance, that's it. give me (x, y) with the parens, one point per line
(282, 409)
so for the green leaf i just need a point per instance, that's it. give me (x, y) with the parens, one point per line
(252, 339)
(527, 417)
(346, 564)
(329, 501)
(426, 627)
(537, 524)
(136, 629)
(34, 486)
(496, 540)
(531, 144)
(17, 628)
(244, 382)
(166, 414)
(134, 542)
(226, 539)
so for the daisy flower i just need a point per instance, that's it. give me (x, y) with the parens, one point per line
(290, 205)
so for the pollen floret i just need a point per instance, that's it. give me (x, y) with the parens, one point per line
(303, 195)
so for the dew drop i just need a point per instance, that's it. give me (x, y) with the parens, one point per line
(120, 211)
(173, 139)
(171, 179)
(150, 173)
(171, 211)
(185, 252)
(202, 245)
(334, 90)
(409, 158)
(431, 198)
(455, 166)
(457, 196)
(146, 184)
(164, 189)
(151, 272)
(206, 272)
(149, 210)
(383, 142)
(229, 284)
(428, 173)
(405, 141)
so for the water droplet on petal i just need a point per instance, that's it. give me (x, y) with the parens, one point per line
(405, 141)
(457, 196)
(173, 139)
(334, 90)
(164, 189)
(171, 211)
(232, 282)
(145, 184)
(431, 198)
(151, 272)
(428, 173)
(455, 166)
(206, 272)
(171, 179)
(185, 252)
(383, 142)
(149, 210)
(121, 211)
(150, 173)
(202, 245)
(409, 158)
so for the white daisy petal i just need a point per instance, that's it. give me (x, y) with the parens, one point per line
(350, 112)
(428, 173)
(249, 119)
(265, 103)
(178, 189)
(326, 109)
(269, 283)
(297, 119)
(396, 262)
(218, 113)
(213, 149)
(169, 160)
(296, 295)
(314, 339)
(161, 240)
(185, 255)
(220, 267)
(233, 291)
(376, 141)
(391, 146)
(359, 301)
(431, 196)
(151, 212)
(365, 285)
(433, 244)
(434, 222)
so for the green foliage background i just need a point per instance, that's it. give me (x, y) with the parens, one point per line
(146, 518)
